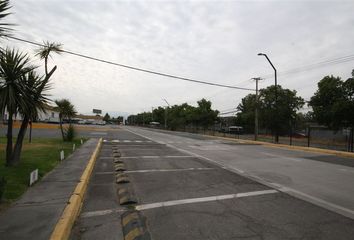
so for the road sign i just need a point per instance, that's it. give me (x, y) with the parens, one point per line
(61, 155)
(97, 111)
(33, 177)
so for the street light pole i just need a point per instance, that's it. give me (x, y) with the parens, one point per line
(166, 113)
(276, 96)
(256, 111)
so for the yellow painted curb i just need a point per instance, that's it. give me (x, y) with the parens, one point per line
(291, 147)
(64, 225)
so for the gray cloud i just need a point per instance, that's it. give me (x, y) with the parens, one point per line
(214, 41)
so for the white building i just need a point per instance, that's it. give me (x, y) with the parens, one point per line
(50, 115)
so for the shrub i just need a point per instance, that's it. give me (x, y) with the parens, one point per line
(70, 133)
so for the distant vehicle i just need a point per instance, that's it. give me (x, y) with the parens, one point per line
(154, 124)
(236, 130)
(101, 122)
(82, 122)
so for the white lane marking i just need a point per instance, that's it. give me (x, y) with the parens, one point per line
(187, 156)
(138, 141)
(100, 213)
(128, 157)
(104, 140)
(169, 170)
(325, 204)
(126, 141)
(297, 194)
(203, 199)
(115, 141)
(98, 133)
(346, 170)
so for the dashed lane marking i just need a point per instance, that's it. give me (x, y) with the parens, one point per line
(203, 199)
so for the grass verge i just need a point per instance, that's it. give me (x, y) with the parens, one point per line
(42, 154)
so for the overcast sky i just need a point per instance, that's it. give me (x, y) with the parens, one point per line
(214, 41)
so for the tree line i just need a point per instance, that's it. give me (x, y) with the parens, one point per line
(332, 105)
(179, 116)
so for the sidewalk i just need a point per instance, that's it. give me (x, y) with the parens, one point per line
(35, 215)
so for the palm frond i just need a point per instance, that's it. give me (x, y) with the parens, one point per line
(47, 48)
(4, 27)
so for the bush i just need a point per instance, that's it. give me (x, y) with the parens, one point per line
(2, 187)
(70, 133)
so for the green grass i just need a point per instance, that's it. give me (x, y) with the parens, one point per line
(42, 153)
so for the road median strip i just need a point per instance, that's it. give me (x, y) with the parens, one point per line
(63, 227)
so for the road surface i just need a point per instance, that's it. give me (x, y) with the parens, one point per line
(194, 187)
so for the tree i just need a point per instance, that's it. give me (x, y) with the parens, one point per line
(271, 116)
(245, 116)
(205, 116)
(66, 111)
(333, 102)
(36, 88)
(281, 115)
(4, 27)
(13, 92)
(106, 117)
(45, 51)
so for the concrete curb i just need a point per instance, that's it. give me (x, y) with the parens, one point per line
(64, 225)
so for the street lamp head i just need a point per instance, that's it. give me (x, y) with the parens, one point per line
(260, 54)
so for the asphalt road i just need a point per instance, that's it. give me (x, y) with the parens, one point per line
(193, 187)
(84, 131)
(323, 179)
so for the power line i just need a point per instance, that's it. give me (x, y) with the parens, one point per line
(309, 67)
(136, 68)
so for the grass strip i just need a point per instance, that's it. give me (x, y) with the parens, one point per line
(42, 154)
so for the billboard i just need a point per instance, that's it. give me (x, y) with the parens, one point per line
(97, 111)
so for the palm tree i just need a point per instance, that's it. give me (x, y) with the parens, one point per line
(36, 101)
(4, 27)
(45, 51)
(66, 110)
(13, 94)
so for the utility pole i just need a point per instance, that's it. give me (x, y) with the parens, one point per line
(256, 110)
(152, 114)
(166, 112)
